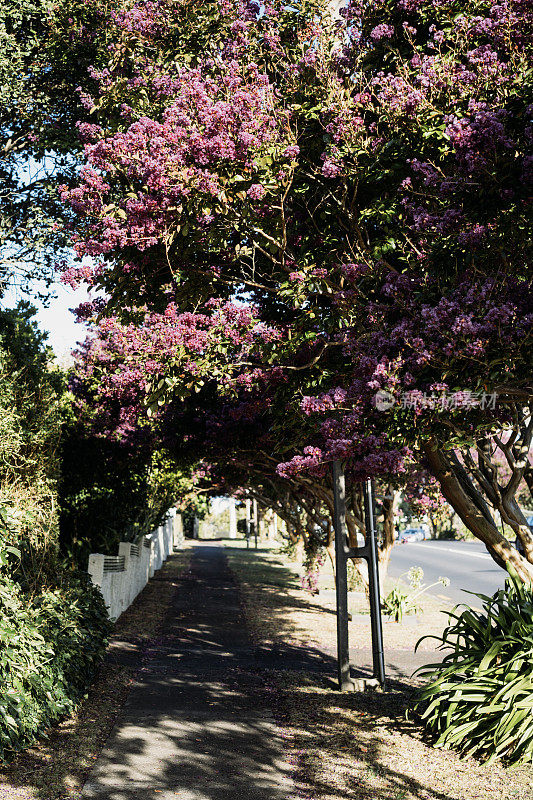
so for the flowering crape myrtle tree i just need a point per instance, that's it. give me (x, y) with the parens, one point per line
(366, 183)
(423, 498)
(240, 431)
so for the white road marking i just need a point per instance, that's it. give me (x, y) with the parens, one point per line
(450, 549)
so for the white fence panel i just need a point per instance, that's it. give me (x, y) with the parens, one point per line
(120, 578)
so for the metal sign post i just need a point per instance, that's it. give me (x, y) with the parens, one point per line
(378, 659)
(342, 553)
(341, 578)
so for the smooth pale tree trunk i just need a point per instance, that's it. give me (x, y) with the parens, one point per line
(248, 518)
(195, 528)
(177, 534)
(257, 532)
(273, 527)
(391, 501)
(300, 550)
(232, 519)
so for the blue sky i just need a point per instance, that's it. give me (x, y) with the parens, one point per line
(56, 319)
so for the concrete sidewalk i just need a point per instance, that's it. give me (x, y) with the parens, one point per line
(197, 724)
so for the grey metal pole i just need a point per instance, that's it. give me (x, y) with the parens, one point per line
(378, 658)
(341, 577)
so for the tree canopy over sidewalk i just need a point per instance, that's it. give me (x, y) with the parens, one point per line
(294, 210)
(307, 209)
(308, 226)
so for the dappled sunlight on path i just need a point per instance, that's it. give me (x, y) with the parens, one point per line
(197, 724)
(350, 745)
(284, 616)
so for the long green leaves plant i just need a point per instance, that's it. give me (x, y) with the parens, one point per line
(479, 700)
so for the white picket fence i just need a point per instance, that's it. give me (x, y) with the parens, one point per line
(121, 578)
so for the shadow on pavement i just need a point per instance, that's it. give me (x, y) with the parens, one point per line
(198, 723)
(332, 757)
(211, 716)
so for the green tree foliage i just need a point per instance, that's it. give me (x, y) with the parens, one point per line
(196, 508)
(53, 623)
(110, 492)
(39, 107)
(31, 407)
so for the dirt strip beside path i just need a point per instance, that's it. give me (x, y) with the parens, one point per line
(57, 767)
(356, 746)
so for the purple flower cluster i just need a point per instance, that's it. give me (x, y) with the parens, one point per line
(207, 124)
(256, 191)
(382, 32)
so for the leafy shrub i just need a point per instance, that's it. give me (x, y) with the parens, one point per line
(31, 408)
(398, 602)
(50, 649)
(111, 492)
(479, 700)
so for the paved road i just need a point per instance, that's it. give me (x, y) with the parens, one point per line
(466, 564)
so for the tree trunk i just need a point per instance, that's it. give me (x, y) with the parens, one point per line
(390, 510)
(300, 550)
(474, 515)
(232, 518)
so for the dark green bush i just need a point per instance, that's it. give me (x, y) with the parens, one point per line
(479, 700)
(53, 623)
(50, 648)
(111, 492)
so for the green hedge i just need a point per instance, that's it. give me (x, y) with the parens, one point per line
(50, 648)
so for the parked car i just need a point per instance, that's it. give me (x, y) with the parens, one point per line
(412, 535)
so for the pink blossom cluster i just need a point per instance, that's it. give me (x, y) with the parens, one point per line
(382, 31)
(209, 125)
(128, 360)
(403, 354)
(327, 401)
